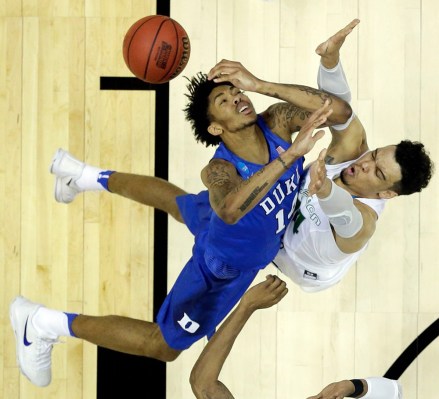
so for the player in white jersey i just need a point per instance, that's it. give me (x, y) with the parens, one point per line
(374, 175)
(330, 230)
(310, 256)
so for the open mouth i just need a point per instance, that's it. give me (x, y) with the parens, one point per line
(350, 170)
(244, 108)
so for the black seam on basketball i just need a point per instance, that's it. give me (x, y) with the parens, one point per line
(171, 68)
(152, 46)
(131, 40)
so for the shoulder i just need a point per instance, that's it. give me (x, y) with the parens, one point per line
(217, 165)
(218, 171)
(284, 119)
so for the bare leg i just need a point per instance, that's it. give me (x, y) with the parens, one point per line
(147, 190)
(329, 50)
(126, 335)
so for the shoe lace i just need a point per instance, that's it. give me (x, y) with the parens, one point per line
(44, 348)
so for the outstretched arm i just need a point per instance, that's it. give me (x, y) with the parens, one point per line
(300, 101)
(204, 376)
(339, 390)
(349, 138)
(368, 388)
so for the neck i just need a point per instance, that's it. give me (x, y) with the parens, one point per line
(248, 143)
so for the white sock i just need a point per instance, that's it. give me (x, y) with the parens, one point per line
(89, 179)
(93, 179)
(51, 323)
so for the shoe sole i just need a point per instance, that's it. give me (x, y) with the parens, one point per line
(55, 169)
(56, 160)
(57, 192)
(18, 334)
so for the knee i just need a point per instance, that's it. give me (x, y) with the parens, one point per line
(161, 350)
(168, 354)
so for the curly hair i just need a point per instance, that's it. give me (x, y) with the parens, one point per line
(416, 167)
(196, 111)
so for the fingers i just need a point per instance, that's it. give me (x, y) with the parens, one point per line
(320, 116)
(274, 280)
(318, 173)
(276, 285)
(224, 67)
(279, 289)
(318, 135)
(322, 155)
(351, 25)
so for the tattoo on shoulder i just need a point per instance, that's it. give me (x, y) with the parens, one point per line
(217, 172)
(218, 177)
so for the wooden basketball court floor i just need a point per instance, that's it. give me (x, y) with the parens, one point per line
(95, 256)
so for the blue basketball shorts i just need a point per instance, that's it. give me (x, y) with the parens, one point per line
(198, 302)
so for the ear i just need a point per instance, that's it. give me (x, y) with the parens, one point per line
(387, 194)
(214, 129)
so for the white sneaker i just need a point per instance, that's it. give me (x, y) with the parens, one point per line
(68, 170)
(33, 350)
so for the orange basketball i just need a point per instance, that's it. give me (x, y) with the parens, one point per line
(156, 49)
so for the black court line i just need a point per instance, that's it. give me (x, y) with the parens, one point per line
(401, 364)
(135, 375)
(138, 376)
(127, 83)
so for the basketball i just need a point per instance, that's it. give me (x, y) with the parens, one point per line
(156, 49)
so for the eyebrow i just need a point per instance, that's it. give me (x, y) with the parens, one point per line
(222, 93)
(217, 96)
(379, 169)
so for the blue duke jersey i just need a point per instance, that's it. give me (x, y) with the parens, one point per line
(254, 241)
(226, 258)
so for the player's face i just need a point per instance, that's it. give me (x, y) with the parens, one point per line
(231, 108)
(374, 174)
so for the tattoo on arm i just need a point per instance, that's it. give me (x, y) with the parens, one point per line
(222, 182)
(285, 114)
(308, 90)
(282, 162)
(218, 177)
(291, 112)
(251, 197)
(315, 92)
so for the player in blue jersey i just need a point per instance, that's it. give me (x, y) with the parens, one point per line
(252, 184)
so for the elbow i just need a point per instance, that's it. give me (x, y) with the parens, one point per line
(229, 216)
(196, 385)
(344, 113)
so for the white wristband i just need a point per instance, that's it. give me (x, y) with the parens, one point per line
(383, 388)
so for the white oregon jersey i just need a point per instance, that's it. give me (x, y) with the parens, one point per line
(310, 256)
